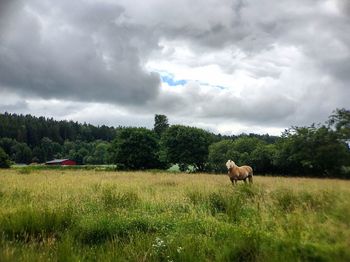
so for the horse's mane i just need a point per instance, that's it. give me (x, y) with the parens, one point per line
(230, 164)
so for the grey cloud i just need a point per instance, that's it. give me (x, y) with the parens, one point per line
(270, 109)
(344, 6)
(7, 7)
(96, 51)
(20, 106)
(211, 104)
(83, 55)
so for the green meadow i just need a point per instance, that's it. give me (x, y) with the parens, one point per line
(95, 215)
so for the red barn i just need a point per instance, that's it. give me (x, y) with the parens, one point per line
(61, 162)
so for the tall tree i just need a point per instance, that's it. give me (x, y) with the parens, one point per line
(135, 148)
(219, 153)
(160, 124)
(21, 153)
(185, 146)
(340, 120)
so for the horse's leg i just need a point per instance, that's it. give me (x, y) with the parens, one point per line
(245, 181)
(233, 181)
(250, 179)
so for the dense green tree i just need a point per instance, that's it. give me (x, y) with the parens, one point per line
(135, 148)
(80, 155)
(4, 159)
(46, 145)
(185, 146)
(68, 146)
(340, 120)
(31, 130)
(311, 151)
(219, 153)
(246, 150)
(21, 153)
(160, 124)
(39, 155)
(246, 144)
(99, 155)
(6, 144)
(262, 157)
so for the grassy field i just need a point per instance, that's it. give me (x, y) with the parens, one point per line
(75, 215)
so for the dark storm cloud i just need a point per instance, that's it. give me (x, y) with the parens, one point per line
(75, 51)
(7, 7)
(344, 6)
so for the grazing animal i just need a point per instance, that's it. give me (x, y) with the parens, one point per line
(236, 173)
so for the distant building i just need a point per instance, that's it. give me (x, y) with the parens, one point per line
(61, 162)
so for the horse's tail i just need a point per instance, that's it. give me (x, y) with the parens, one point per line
(250, 176)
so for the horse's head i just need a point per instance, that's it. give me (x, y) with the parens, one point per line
(230, 164)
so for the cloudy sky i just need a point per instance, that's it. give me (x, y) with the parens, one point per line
(226, 66)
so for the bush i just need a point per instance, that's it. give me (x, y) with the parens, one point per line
(4, 159)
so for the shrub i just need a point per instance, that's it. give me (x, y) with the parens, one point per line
(4, 159)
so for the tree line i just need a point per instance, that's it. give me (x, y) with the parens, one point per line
(30, 130)
(316, 150)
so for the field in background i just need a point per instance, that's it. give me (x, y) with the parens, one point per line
(71, 215)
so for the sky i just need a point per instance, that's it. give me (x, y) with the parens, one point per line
(224, 66)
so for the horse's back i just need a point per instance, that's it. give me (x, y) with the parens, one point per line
(248, 169)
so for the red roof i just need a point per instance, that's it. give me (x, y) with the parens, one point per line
(61, 162)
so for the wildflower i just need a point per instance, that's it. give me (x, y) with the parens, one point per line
(159, 243)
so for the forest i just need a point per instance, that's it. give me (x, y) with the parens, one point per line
(318, 150)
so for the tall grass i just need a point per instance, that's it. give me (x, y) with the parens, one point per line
(83, 215)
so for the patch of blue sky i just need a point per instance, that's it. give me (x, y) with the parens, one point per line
(171, 81)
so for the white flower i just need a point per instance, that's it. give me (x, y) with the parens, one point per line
(179, 249)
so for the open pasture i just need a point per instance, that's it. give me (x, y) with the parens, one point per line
(83, 215)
